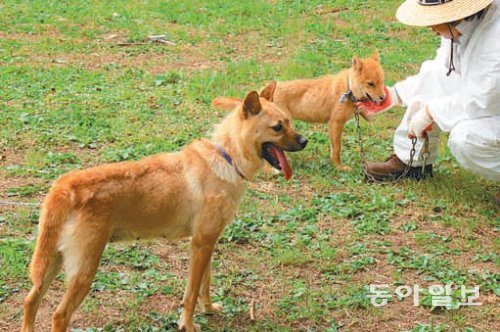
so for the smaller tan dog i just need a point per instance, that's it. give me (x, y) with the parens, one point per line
(193, 193)
(332, 99)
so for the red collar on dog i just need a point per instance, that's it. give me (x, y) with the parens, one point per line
(228, 158)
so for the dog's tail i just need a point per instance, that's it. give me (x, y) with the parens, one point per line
(226, 103)
(54, 214)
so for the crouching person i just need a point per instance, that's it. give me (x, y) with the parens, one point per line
(456, 92)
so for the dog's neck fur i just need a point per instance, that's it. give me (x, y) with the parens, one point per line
(356, 91)
(229, 134)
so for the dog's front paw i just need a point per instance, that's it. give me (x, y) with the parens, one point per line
(211, 308)
(193, 328)
(187, 325)
(343, 168)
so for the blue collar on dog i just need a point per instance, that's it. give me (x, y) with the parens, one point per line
(228, 158)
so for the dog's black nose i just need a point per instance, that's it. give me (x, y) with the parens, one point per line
(301, 140)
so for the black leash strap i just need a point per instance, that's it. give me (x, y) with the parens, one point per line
(452, 64)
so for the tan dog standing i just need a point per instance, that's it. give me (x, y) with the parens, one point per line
(321, 99)
(195, 192)
(332, 99)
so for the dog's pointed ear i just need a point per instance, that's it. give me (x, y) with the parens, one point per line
(251, 104)
(356, 63)
(268, 91)
(376, 56)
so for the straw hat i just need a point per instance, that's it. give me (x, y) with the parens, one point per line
(433, 12)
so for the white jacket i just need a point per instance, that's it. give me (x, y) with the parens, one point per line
(473, 93)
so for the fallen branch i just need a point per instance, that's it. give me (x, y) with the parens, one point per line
(332, 11)
(162, 39)
(167, 42)
(159, 39)
(252, 309)
(131, 44)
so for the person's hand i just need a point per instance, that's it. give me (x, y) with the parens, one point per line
(371, 109)
(420, 123)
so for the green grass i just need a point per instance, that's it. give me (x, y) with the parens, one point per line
(303, 251)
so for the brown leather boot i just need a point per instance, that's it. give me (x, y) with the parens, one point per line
(393, 168)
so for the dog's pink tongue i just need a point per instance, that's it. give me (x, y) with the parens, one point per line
(285, 165)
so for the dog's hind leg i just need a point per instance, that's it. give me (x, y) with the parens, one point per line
(46, 260)
(336, 125)
(33, 299)
(204, 300)
(82, 249)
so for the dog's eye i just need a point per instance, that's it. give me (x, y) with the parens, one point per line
(371, 84)
(278, 127)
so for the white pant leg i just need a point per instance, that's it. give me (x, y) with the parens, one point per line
(402, 144)
(476, 146)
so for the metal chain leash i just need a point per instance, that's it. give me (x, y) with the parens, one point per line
(425, 153)
(408, 167)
